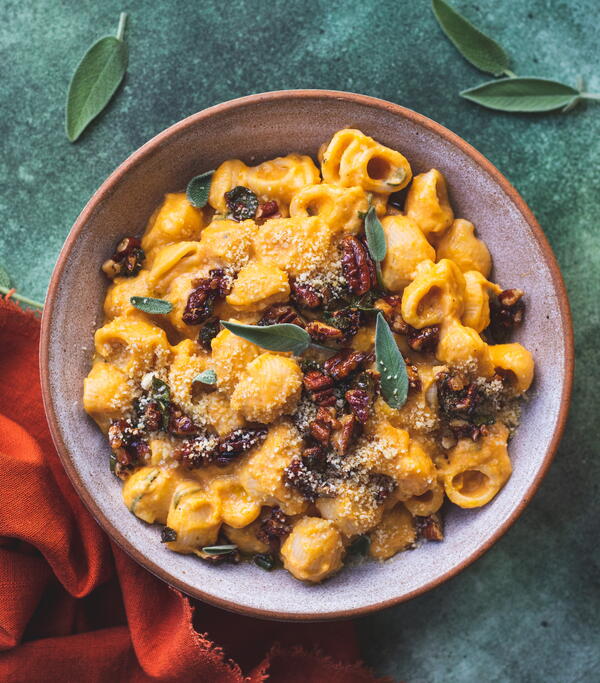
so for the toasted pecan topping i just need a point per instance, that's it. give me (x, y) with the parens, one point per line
(345, 362)
(208, 332)
(321, 332)
(320, 388)
(381, 485)
(201, 300)
(267, 210)
(321, 427)
(344, 436)
(359, 401)
(281, 313)
(506, 313)
(181, 424)
(358, 266)
(305, 295)
(198, 452)
(239, 442)
(127, 259)
(273, 528)
(430, 528)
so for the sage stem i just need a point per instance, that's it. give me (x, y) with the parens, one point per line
(590, 95)
(121, 26)
(509, 73)
(22, 299)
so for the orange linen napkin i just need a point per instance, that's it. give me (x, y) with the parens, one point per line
(74, 607)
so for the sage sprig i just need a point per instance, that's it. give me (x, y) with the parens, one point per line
(282, 337)
(198, 189)
(149, 305)
(206, 377)
(219, 549)
(96, 80)
(375, 241)
(6, 288)
(390, 365)
(512, 94)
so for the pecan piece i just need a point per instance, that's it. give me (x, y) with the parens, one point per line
(238, 442)
(320, 331)
(323, 424)
(201, 300)
(266, 210)
(414, 381)
(360, 403)
(344, 363)
(127, 259)
(281, 313)
(152, 417)
(306, 475)
(456, 398)
(506, 313)
(197, 452)
(181, 424)
(208, 332)
(305, 295)
(425, 339)
(273, 528)
(430, 528)
(343, 437)
(390, 307)
(320, 388)
(345, 319)
(358, 266)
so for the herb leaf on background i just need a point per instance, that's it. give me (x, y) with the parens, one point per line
(480, 50)
(282, 337)
(6, 287)
(206, 377)
(198, 189)
(153, 306)
(95, 80)
(522, 94)
(375, 241)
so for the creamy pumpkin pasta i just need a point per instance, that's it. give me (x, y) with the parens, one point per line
(300, 362)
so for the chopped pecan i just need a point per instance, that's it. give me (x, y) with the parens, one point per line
(281, 313)
(201, 300)
(359, 401)
(456, 398)
(462, 429)
(345, 319)
(208, 332)
(242, 203)
(138, 450)
(414, 381)
(430, 528)
(239, 442)
(117, 434)
(181, 424)
(152, 417)
(323, 424)
(127, 259)
(390, 307)
(345, 362)
(305, 295)
(506, 313)
(267, 210)
(425, 339)
(306, 476)
(273, 528)
(320, 331)
(358, 266)
(343, 437)
(320, 388)
(381, 485)
(197, 452)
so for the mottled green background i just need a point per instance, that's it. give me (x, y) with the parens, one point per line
(529, 610)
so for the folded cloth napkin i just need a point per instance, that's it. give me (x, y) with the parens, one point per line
(74, 607)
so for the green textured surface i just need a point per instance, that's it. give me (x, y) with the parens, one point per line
(527, 611)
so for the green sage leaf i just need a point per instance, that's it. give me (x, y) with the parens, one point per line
(198, 189)
(480, 50)
(219, 549)
(284, 337)
(150, 305)
(391, 365)
(4, 279)
(375, 236)
(265, 561)
(522, 94)
(206, 377)
(95, 81)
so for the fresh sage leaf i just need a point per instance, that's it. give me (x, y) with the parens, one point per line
(219, 549)
(206, 377)
(265, 561)
(375, 235)
(4, 279)
(480, 50)
(95, 81)
(198, 189)
(390, 365)
(150, 305)
(522, 95)
(283, 337)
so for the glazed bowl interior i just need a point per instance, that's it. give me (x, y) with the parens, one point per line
(254, 129)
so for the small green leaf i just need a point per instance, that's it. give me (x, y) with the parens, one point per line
(4, 279)
(522, 94)
(375, 236)
(150, 305)
(95, 81)
(477, 48)
(206, 377)
(265, 561)
(219, 549)
(391, 365)
(198, 189)
(284, 337)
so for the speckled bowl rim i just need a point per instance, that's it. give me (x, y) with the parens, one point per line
(302, 95)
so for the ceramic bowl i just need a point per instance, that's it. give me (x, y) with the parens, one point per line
(261, 127)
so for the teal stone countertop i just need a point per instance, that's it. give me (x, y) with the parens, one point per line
(528, 610)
